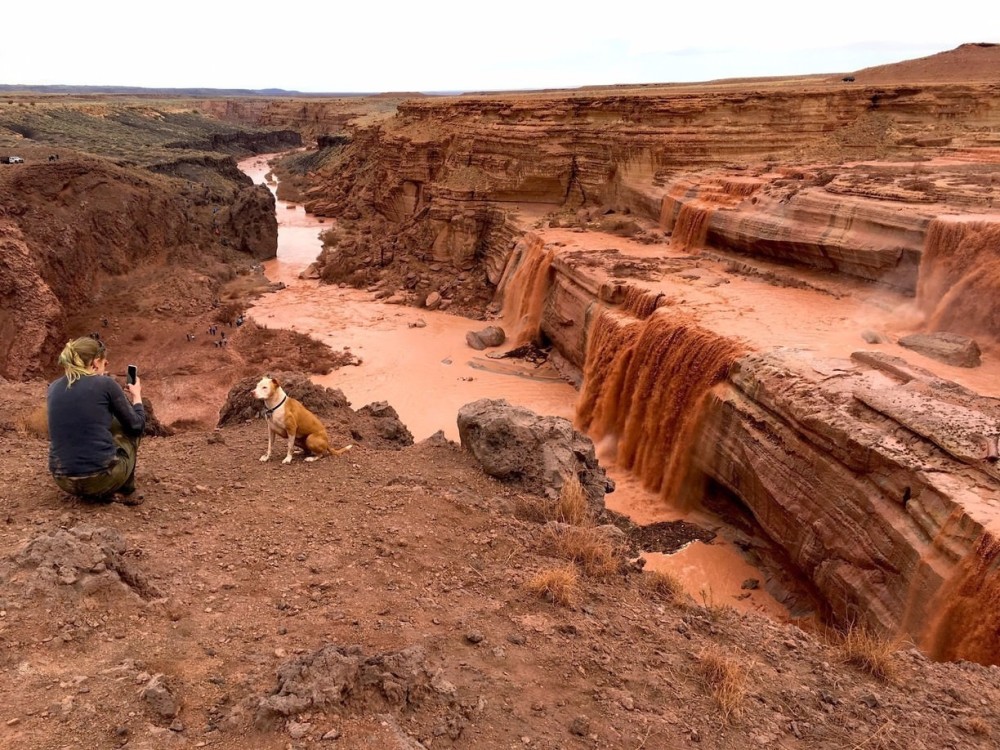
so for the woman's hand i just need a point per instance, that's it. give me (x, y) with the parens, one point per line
(135, 391)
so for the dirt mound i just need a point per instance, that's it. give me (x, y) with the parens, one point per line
(85, 558)
(241, 405)
(964, 64)
(336, 677)
(289, 350)
(266, 570)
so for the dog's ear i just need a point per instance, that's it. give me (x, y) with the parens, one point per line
(276, 383)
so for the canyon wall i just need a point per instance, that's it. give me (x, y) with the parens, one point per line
(868, 470)
(71, 229)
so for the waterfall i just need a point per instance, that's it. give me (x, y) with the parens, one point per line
(644, 385)
(968, 606)
(959, 275)
(525, 286)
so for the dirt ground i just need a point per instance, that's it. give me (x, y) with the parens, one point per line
(211, 615)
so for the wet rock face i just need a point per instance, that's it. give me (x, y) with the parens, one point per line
(516, 445)
(253, 222)
(950, 348)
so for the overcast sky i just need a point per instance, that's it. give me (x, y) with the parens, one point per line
(451, 45)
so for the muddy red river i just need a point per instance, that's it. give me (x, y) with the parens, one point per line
(428, 373)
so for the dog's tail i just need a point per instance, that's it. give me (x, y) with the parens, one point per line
(340, 451)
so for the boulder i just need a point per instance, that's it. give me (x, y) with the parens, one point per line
(489, 336)
(950, 348)
(514, 444)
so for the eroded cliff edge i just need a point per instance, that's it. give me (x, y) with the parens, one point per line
(740, 210)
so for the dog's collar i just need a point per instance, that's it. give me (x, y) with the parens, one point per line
(269, 412)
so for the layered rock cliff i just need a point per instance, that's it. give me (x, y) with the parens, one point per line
(743, 227)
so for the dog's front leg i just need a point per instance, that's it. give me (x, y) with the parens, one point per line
(291, 444)
(270, 444)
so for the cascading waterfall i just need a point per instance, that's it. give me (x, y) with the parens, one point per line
(644, 385)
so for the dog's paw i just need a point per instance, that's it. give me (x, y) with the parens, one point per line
(286, 460)
(265, 458)
(311, 458)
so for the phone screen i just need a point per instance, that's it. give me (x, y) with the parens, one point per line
(131, 375)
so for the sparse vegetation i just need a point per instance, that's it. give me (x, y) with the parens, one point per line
(870, 652)
(572, 507)
(726, 679)
(661, 585)
(714, 609)
(587, 546)
(978, 726)
(558, 585)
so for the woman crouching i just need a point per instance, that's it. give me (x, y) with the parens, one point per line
(94, 426)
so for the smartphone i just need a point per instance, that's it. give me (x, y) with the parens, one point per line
(132, 374)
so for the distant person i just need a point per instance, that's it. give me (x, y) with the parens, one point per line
(94, 426)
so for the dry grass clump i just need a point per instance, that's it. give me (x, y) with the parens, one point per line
(35, 423)
(558, 585)
(588, 547)
(532, 508)
(978, 726)
(726, 679)
(661, 584)
(870, 652)
(572, 506)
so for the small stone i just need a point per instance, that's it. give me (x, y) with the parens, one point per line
(298, 730)
(580, 726)
(517, 639)
(333, 734)
(474, 637)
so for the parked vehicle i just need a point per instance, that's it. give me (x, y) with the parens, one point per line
(11, 160)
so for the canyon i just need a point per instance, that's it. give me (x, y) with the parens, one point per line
(814, 211)
(774, 296)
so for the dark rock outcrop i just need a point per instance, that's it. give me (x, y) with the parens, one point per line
(516, 445)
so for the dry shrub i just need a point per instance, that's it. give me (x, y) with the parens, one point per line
(572, 506)
(713, 609)
(558, 585)
(588, 547)
(978, 726)
(532, 508)
(870, 652)
(661, 585)
(35, 423)
(726, 678)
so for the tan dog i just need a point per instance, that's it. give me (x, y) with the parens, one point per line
(289, 419)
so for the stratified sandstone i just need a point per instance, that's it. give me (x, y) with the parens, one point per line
(865, 470)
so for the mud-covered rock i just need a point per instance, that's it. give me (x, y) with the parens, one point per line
(85, 559)
(387, 423)
(950, 348)
(334, 676)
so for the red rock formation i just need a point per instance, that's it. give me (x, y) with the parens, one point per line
(866, 472)
(71, 230)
